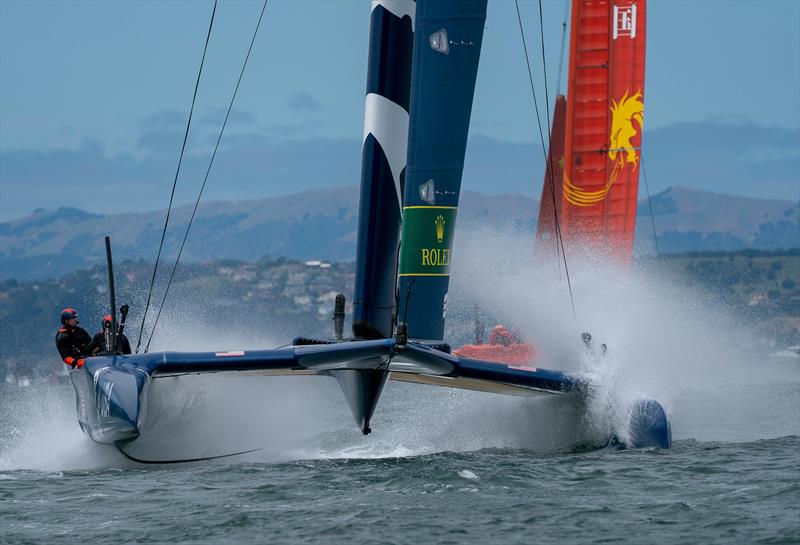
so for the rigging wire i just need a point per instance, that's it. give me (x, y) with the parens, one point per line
(205, 179)
(548, 158)
(558, 89)
(175, 180)
(563, 44)
(544, 148)
(184, 460)
(650, 206)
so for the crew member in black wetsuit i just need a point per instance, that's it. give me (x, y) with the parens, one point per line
(72, 341)
(99, 341)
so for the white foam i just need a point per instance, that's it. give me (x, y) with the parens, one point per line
(665, 340)
(40, 431)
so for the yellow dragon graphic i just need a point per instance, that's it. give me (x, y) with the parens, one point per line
(620, 149)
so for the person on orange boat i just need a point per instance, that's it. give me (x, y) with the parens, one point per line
(586, 337)
(501, 335)
(73, 342)
(99, 341)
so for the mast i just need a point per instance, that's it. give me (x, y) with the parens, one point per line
(604, 116)
(383, 166)
(446, 53)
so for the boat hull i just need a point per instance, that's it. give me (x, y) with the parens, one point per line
(648, 425)
(112, 391)
(110, 401)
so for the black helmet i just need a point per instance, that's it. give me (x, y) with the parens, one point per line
(68, 314)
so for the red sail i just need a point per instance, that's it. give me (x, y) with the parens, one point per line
(550, 206)
(605, 104)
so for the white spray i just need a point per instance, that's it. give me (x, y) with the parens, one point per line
(665, 341)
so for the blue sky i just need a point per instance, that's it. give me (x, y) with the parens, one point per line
(94, 95)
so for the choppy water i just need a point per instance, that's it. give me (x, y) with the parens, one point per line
(697, 492)
(430, 473)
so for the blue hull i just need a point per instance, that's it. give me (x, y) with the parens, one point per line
(110, 398)
(648, 425)
(112, 390)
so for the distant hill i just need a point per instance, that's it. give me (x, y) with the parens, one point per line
(321, 224)
(268, 302)
(690, 220)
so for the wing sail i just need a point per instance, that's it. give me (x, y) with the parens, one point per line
(598, 138)
(447, 45)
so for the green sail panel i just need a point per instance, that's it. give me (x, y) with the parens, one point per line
(426, 247)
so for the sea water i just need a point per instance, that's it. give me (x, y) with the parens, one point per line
(416, 479)
(447, 466)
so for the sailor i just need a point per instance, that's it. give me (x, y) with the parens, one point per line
(501, 335)
(586, 337)
(99, 341)
(72, 342)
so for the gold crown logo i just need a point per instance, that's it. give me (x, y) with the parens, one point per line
(439, 228)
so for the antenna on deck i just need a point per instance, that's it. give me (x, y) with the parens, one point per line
(111, 346)
(123, 311)
(338, 317)
(401, 335)
(479, 329)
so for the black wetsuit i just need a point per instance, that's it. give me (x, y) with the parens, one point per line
(73, 343)
(99, 341)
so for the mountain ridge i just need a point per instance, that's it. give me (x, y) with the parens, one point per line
(321, 224)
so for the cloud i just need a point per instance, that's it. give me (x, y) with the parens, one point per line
(735, 158)
(238, 118)
(301, 101)
(294, 130)
(160, 140)
(247, 166)
(164, 119)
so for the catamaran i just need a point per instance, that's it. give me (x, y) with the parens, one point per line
(423, 62)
